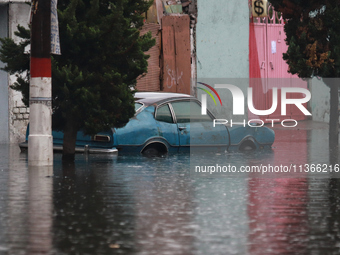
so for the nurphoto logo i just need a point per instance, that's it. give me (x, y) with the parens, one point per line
(239, 102)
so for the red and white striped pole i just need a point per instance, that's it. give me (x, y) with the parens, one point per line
(40, 141)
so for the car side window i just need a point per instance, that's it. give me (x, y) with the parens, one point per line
(163, 114)
(137, 106)
(187, 111)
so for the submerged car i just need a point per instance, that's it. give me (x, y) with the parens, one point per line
(170, 122)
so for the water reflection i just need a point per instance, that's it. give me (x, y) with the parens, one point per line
(137, 205)
(89, 199)
(278, 216)
(39, 217)
(164, 207)
(333, 232)
(26, 206)
(4, 176)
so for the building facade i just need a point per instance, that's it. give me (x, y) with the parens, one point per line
(196, 40)
(234, 47)
(222, 44)
(4, 110)
(13, 113)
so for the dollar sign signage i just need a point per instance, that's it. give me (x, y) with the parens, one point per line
(259, 8)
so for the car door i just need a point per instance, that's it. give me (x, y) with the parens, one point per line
(195, 129)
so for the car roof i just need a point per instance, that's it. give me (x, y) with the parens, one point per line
(148, 98)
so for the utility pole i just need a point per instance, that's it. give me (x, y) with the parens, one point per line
(40, 141)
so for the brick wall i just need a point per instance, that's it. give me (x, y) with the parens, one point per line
(21, 113)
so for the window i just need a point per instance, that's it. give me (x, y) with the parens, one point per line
(187, 111)
(137, 106)
(164, 114)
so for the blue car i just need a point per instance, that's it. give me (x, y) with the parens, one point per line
(170, 122)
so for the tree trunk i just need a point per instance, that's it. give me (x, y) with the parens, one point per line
(70, 137)
(333, 119)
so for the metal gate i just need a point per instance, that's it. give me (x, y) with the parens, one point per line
(267, 69)
(176, 53)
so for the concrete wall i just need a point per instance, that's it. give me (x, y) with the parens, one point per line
(222, 41)
(4, 128)
(19, 114)
(320, 102)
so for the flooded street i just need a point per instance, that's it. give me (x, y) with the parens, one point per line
(137, 205)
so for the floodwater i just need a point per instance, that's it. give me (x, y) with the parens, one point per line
(137, 205)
